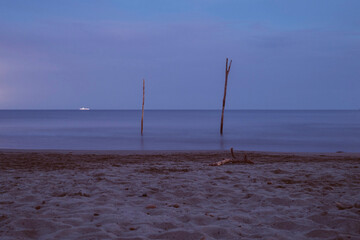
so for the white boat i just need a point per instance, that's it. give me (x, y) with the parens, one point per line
(84, 108)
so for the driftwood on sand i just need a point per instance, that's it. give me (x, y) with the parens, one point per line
(222, 162)
(232, 160)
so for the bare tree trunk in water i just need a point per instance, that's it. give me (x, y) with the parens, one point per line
(143, 102)
(227, 70)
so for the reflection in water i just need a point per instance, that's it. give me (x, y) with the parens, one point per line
(222, 145)
(142, 143)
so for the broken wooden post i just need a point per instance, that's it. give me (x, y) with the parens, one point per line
(227, 70)
(142, 114)
(232, 153)
(247, 161)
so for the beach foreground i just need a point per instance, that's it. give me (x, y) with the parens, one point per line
(167, 195)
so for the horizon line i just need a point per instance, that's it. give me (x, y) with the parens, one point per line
(180, 109)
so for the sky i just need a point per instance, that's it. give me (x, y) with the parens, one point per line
(299, 54)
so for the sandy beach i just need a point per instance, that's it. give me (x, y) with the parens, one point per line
(177, 195)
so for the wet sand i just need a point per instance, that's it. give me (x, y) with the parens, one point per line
(177, 195)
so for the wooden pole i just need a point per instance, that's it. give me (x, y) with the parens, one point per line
(227, 70)
(232, 153)
(143, 102)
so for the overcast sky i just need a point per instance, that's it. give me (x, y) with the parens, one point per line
(286, 54)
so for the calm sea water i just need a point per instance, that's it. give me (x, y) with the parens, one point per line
(314, 131)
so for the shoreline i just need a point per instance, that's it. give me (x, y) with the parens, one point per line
(167, 152)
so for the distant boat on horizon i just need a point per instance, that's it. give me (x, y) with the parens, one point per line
(84, 108)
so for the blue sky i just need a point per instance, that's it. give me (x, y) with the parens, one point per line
(286, 54)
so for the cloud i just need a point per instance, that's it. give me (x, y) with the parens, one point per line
(66, 64)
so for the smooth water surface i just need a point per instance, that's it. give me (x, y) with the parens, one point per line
(301, 131)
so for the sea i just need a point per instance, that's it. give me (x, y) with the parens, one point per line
(260, 130)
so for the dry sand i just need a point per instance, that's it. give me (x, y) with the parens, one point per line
(178, 196)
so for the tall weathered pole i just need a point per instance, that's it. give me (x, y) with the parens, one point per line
(143, 102)
(227, 70)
